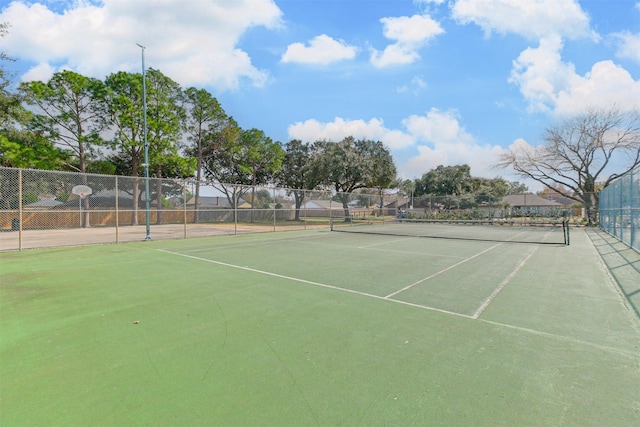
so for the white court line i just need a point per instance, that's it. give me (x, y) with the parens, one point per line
(562, 338)
(500, 287)
(528, 330)
(386, 242)
(368, 248)
(411, 252)
(201, 248)
(309, 282)
(441, 271)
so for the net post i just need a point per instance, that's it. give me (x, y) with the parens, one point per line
(565, 228)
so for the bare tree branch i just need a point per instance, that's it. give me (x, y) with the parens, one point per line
(578, 153)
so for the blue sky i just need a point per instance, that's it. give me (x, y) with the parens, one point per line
(439, 82)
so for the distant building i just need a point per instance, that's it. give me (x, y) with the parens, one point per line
(531, 203)
(321, 204)
(529, 200)
(216, 202)
(47, 202)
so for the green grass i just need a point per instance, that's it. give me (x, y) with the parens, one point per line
(268, 330)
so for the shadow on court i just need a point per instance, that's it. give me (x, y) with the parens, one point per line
(622, 262)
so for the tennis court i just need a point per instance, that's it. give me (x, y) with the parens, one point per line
(320, 328)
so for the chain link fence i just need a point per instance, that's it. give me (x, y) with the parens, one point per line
(620, 209)
(51, 208)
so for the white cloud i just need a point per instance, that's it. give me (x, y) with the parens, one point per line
(437, 137)
(417, 84)
(628, 45)
(96, 40)
(546, 81)
(530, 18)
(393, 55)
(313, 130)
(437, 127)
(321, 50)
(605, 85)
(549, 84)
(541, 74)
(480, 158)
(409, 34)
(441, 140)
(411, 31)
(41, 72)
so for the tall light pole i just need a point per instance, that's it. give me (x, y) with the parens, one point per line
(146, 146)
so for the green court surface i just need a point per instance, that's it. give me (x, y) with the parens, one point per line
(320, 328)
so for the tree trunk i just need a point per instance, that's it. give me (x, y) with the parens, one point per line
(299, 198)
(196, 206)
(85, 205)
(135, 196)
(196, 201)
(345, 206)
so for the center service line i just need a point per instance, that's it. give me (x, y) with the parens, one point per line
(499, 289)
(441, 271)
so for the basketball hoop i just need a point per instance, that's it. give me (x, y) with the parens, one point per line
(82, 191)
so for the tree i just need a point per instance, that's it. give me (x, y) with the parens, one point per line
(383, 170)
(221, 160)
(262, 159)
(352, 164)
(496, 188)
(27, 150)
(445, 181)
(204, 119)
(516, 187)
(579, 153)
(165, 115)
(238, 160)
(125, 107)
(70, 112)
(297, 173)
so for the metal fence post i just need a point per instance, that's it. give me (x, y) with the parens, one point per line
(633, 207)
(20, 209)
(184, 210)
(117, 196)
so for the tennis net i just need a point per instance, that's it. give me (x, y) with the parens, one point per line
(498, 230)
